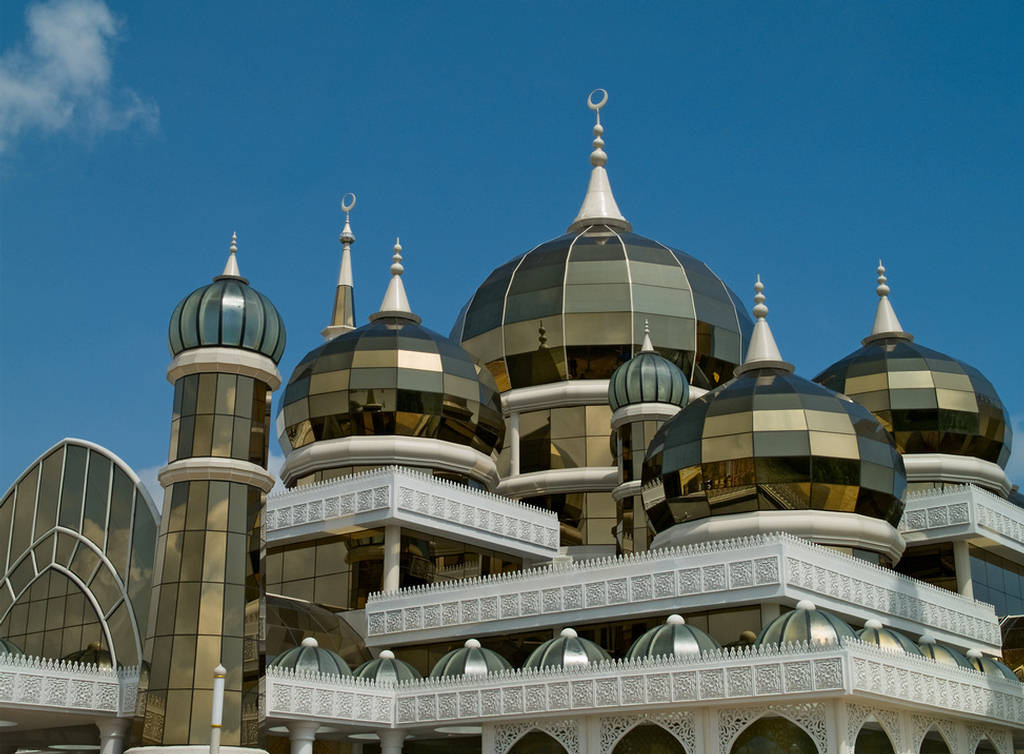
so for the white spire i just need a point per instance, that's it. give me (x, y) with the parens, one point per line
(231, 266)
(647, 347)
(599, 207)
(762, 351)
(343, 317)
(395, 303)
(887, 324)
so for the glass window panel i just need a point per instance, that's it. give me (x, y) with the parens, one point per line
(222, 426)
(84, 563)
(225, 394)
(49, 492)
(202, 439)
(243, 396)
(206, 399)
(105, 589)
(94, 520)
(834, 445)
(789, 419)
(726, 448)
(6, 517)
(24, 512)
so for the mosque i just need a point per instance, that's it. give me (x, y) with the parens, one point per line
(602, 515)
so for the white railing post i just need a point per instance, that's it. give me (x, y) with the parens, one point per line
(217, 713)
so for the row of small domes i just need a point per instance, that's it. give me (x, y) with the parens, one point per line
(805, 624)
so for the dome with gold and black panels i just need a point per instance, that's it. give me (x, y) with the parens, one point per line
(574, 307)
(931, 402)
(775, 445)
(392, 377)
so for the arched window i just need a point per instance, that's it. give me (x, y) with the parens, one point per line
(934, 743)
(773, 735)
(873, 740)
(985, 747)
(536, 742)
(648, 739)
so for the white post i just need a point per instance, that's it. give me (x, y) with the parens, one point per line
(513, 443)
(217, 712)
(842, 717)
(392, 557)
(391, 741)
(302, 735)
(112, 734)
(962, 564)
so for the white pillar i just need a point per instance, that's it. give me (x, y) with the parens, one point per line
(391, 741)
(392, 557)
(707, 730)
(513, 440)
(112, 731)
(842, 718)
(302, 733)
(962, 563)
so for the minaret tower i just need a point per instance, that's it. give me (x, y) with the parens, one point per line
(226, 339)
(343, 318)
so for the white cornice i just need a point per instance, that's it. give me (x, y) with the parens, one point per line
(638, 412)
(223, 469)
(942, 467)
(227, 361)
(555, 395)
(965, 512)
(42, 683)
(558, 481)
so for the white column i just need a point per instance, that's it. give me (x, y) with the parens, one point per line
(842, 718)
(112, 731)
(391, 741)
(513, 440)
(706, 721)
(392, 557)
(302, 733)
(962, 563)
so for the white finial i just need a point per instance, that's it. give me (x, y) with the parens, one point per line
(343, 316)
(472, 644)
(676, 620)
(647, 347)
(231, 267)
(805, 605)
(569, 633)
(386, 654)
(887, 324)
(974, 654)
(762, 352)
(873, 623)
(396, 303)
(927, 639)
(309, 641)
(599, 207)
(347, 204)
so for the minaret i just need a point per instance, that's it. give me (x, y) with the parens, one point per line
(343, 318)
(208, 594)
(599, 207)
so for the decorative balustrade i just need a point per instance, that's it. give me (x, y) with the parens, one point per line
(962, 512)
(41, 682)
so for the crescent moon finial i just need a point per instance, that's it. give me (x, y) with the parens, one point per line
(596, 106)
(348, 203)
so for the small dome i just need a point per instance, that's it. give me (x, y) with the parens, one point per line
(567, 650)
(391, 377)
(8, 647)
(386, 668)
(805, 624)
(310, 657)
(990, 666)
(227, 312)
(887, 638)
(470, 659)
(942, 653)
(94, 654)
(675, 637)
(648, 378)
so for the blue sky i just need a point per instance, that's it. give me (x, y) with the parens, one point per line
(801, 141)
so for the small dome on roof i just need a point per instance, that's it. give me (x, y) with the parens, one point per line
(386, 668)
(675, 637)
(566, 650)
(648, 377)
(311, 657)
(942, 653)
(990, 665)
(8, 647)
(470, 659)
(887, 638)
(805, 624)
(94, 654)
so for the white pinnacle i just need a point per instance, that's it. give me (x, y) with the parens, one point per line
(599, 207)
(343, 313)
(231, 267)
(762, 352)
(396, 303)
(647, 347)
(887, 324)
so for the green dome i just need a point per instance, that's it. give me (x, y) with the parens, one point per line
(386, 668)
(471, 659)
(309, 657)
(8, 647)
(942, 653)
(805, 624)
(94, 654)
(648, 378)
(887, 638)
(567, 650)
(675, 637)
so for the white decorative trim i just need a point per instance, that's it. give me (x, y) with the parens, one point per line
(383, 450)
(225, 360)
(942, 467)
(823, 527)
(638, 412)
(309, 696)
(887, 719)
(809, 717)
(225, 469)
(964, 512)
(556, 481)
(775, 567)
(1000, 738)
(41, 683)
(415, 500)
(566, 732)
(921, 724)
(681, 725)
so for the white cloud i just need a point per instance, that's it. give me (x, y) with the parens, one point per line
(59, 78)
(148, 478)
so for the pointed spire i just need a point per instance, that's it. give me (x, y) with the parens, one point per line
(887, 324)
(395, 303)
(763, 352)
(343, 318)
(647, 347)
(231, 266)
(599, 207)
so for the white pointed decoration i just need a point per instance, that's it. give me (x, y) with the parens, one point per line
(396, 303)
(647, 347)
(347, 238)
(887, 324)
(231, 267)
(343, 314)
(762, 352)
(599, 207)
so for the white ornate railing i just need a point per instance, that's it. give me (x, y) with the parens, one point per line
(792, 673)
(40, 682)
(961, 512)
(739, 571)
(424, 502)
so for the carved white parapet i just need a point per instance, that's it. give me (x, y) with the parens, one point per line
(34, 682)
(963, 512)
(418, 501)
(342, 699)
(704, 576)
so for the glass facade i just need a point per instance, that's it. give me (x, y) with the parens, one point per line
(770, 440)
(931, 402)
(634, 532)
(997, 581)
(220, 415)
(574, 308)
